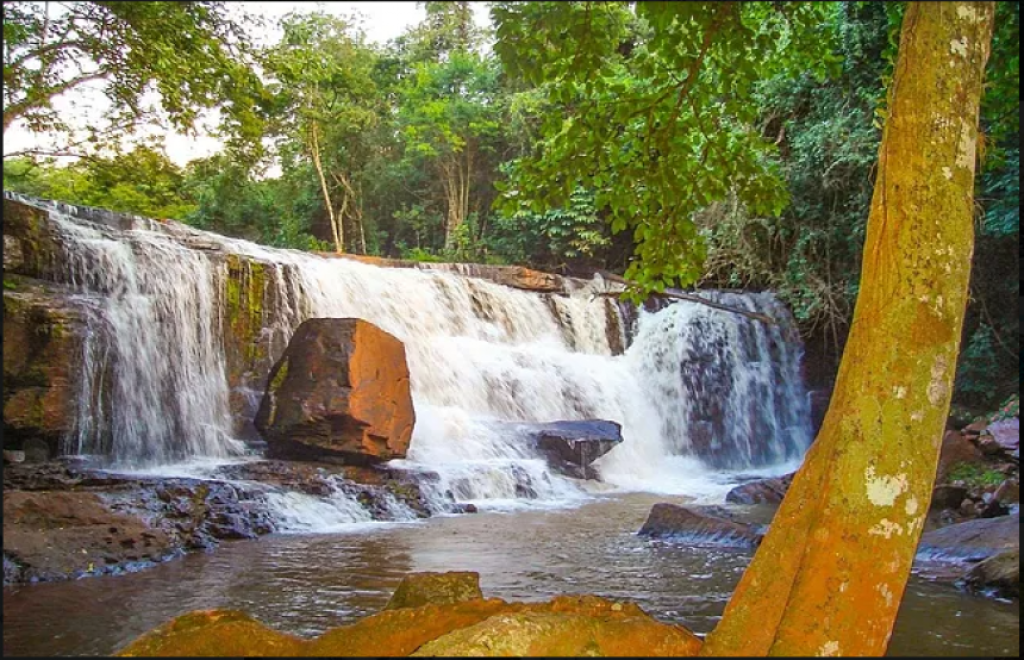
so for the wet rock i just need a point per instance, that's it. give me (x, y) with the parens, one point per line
(11, 456)
(571, 446)
(956, 449)
(43, 333)
(700, 528)
(339, 393)
(55, 535)
(586, 625)
(999, 574)
(974, 540)
(227, 633)
(762, 491)
(419, 589)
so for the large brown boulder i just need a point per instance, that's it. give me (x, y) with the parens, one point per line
(956, 449)
(339, 393)
(697, 527)
(571, 446)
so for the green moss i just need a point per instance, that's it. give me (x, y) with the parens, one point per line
(282, 373)
(9, 284)
(976, 476)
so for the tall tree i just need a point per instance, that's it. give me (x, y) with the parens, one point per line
(326, 101)
(829, 576)
(192, 53)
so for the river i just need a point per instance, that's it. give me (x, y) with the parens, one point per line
(305, 584)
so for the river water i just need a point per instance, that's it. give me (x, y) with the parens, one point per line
(305, 584)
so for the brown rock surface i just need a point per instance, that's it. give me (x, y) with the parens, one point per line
(526, 634)
(568, 625)
(339, 392)
(974, 540)
(435, 588)
(43, 334)
(51, 535)
(956, 449)
(212, 633)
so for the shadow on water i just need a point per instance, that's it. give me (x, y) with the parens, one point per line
(305, 584)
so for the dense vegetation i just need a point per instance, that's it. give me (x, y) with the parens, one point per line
(711, 165)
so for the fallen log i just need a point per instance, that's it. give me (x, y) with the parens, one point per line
(678, 295)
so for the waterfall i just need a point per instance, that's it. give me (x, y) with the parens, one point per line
(697, 389)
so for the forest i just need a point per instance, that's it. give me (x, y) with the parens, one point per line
(437, 146)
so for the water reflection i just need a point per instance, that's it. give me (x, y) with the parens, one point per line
(306, 584)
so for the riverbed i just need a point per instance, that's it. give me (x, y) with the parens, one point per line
(305, 584)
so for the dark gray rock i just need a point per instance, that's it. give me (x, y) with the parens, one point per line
(698, 527)
(571, 446)
(762, 491)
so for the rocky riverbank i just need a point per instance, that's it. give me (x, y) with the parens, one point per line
(64, 520)
(972, 532)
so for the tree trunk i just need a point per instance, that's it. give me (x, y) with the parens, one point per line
(829, 576)
(336, 228)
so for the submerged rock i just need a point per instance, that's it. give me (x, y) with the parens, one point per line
(684, 524)
(999, 573)
(339, 393)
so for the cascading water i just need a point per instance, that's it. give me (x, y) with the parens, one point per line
(697, 387)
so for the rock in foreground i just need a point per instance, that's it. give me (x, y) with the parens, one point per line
(564, 626)
(435, 588)
(700, 528)
(339, 393)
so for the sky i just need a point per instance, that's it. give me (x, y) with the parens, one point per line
(381, 21)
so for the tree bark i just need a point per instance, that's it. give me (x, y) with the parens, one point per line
(829, 576)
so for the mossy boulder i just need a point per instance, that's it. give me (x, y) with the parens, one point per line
(212, 633)
(539, 634)
(454, 620)
(436, 589)
(339, 393)
(44, 331)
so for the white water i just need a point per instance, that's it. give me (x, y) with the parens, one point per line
(697, 386)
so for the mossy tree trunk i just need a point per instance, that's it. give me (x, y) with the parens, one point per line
(829, 576)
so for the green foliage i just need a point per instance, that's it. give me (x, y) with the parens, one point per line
(973, 475)
(191, 53)
(657, 113)
(143, 181)
(1008, 409)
